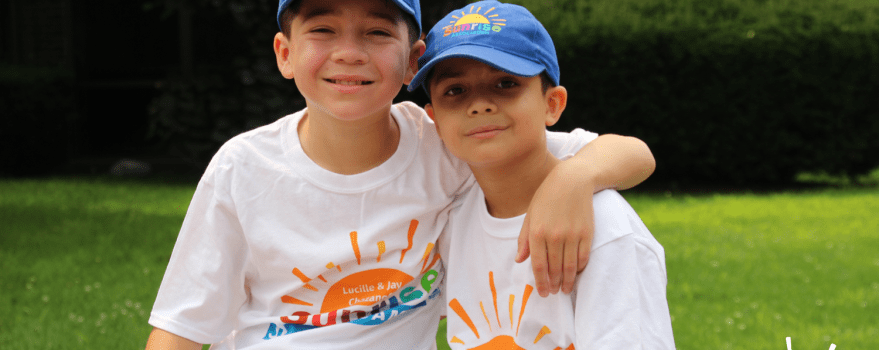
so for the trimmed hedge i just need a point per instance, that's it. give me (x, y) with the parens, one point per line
(37, 111)
(725, 92)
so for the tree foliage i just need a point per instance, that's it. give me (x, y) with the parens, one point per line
(725, 91)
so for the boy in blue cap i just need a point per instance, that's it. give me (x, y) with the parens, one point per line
(492, 76)
(318, 231)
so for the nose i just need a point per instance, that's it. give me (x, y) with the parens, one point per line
(481, 105)
(350, 51)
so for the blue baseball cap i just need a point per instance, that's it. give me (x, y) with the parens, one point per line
(504, 36)
(412, 7)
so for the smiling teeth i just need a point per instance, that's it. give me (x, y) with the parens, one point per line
(348, 82)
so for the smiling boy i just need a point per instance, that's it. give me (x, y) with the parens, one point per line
(493, 93)
(318, 231)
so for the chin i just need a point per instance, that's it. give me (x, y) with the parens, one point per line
(484, 162)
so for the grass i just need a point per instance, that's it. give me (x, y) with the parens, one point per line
(747, 270)
(82, 259)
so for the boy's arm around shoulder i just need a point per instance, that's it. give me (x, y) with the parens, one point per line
(558, 227)
(162, 340)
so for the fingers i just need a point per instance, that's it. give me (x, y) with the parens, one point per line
(522, 252)
(564, 260)
(569, 267)
(555, 250)
(583, 255)
(539, 265)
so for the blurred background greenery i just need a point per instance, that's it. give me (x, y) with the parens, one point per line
(726, 92)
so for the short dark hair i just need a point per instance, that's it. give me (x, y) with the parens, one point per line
(293, 9)
(545, 82)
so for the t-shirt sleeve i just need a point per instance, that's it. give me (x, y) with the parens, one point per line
(203, 286)
(565, 144)
(606, 305)
(621, 295)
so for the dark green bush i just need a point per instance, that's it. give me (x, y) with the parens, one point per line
(234, 87)
(37, 109)
(191, 118)
(725, 92)
(753, 111)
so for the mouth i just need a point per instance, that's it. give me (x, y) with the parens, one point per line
(487, 130)
(349, 82)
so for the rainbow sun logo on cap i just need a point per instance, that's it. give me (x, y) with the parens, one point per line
(474, 23)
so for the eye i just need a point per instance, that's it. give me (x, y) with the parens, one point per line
(380, 33)
(321, 30)
(507, 84)
(454, 91)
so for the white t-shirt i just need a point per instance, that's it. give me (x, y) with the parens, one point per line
(277, 252)
(619, 300)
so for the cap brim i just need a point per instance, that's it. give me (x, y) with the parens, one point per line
(500, 60)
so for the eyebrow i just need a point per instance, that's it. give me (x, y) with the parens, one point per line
(452, 73)
(446, 74)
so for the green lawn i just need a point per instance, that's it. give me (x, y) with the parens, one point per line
(81, 260)
(746, 271)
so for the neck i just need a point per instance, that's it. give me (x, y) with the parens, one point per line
(509, 187)
(348, 147)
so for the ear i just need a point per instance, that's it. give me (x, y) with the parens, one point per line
(430, 113)
(556, 101)
(414, 54)
(282, 47)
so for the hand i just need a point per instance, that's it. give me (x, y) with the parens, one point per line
(558, 229)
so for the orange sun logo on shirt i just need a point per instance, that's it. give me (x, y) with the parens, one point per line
(364, 287)
(501, 341)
